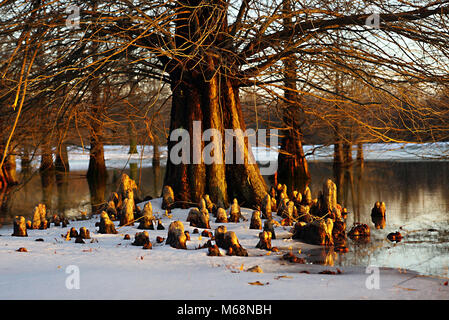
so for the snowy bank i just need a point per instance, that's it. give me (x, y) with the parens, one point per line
(111, 268)
(116, 156)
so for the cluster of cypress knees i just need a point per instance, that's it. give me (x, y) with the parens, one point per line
(40, 222)
(319, 221)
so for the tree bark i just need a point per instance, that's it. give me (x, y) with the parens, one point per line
(338, 151)
(360, 156)
(198, 100)
(46, 159)
(156, 152)
(9, 170)
(62, 159)
(203, 91)
(97, 167)
(293, 169)
(25, 163)
(347, 153)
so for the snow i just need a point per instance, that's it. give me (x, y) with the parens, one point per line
(111, 268)
(116, 156)
(114, 269)
(386, 151)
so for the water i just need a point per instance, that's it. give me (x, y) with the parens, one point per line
(417, 201)
(416, 194)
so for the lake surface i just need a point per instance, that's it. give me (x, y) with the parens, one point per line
(416, 194)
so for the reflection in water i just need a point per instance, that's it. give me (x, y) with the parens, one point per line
(97, 189)
(62, 186)
(5, 205)
(134, 171)
(47, 181)
(157, 182)
(293, 182)
(359, 169)
(323, 255)
(417, 204)
(379, 221)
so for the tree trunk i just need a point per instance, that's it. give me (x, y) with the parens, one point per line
(9, 170)
(360, 156)
(293, 169)
(25, 163)
(97, 189)
(62, 159)
(203, 91)
(97, 166)
(132, 138)
(8, 175)
(338, 150)
(218, 108)
(347, 153)
(46, 159)
(96, 173)
(47, 180)
(156, 152)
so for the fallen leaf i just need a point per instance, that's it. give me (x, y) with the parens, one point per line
(258, 283)
(255, 269)
(408, 289)
(282, 277)
(327, 272)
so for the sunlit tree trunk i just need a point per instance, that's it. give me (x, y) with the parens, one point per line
(97, 166)
(293, 169)
(9, 169)
(203, 92)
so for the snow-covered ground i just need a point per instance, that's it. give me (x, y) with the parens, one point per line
(387, 151)
(111, 268)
